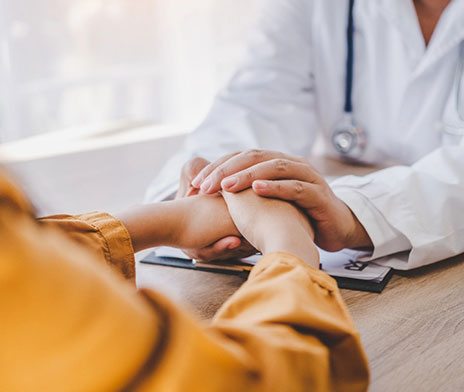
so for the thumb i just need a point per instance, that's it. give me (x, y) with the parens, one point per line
(227, 243)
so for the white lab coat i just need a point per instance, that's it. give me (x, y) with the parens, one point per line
(291, 87)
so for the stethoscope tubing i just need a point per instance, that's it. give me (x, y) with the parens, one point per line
(348, 107)
(349, 139)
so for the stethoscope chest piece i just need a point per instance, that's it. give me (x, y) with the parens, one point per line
(348, 138)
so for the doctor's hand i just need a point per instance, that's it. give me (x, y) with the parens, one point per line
(276, 175)
(189, 171)
(227, 247)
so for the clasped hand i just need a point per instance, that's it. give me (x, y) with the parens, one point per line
(275, 175)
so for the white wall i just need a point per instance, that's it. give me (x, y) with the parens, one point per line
(106, 179)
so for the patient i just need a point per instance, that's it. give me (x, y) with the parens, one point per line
(69, 323)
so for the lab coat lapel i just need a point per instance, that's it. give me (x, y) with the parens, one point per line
(448, 34)
(402, 15)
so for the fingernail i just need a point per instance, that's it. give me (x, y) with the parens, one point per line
(196, 182)
(229, 182)
(260, 185)
(206, 185)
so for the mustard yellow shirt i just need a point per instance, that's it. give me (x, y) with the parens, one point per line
(71, 318)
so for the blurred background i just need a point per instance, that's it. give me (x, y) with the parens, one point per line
(101, 90)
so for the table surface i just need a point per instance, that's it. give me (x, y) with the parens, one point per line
(413, 332)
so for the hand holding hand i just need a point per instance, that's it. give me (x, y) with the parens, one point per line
(196, 222)
(225, 248)
(277, 175)
(189, 171)
(191, 222)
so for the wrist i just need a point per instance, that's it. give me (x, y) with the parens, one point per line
(150, 225)
(189, 223)
(295, 242)
(358, 236)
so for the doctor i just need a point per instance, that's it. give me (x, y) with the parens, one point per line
(381, 81)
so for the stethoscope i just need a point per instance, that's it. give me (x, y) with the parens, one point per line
(349, 138)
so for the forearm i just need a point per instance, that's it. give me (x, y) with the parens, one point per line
(192, 222)
(151, 225)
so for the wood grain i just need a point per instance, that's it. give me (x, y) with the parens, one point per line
(413, 332)
(202, 292)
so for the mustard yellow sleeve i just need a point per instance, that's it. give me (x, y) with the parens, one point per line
(67, 323)
(285, 329)
(101, 234)
(296, 327)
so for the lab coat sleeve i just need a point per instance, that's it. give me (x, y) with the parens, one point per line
(269, 101)
(418, 208)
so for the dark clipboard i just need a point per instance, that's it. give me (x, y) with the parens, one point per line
(243, 270)
(364, 285)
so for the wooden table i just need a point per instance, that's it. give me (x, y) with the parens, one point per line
(413, 332)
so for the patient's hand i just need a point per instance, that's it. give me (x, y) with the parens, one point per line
(194, 222)
(272, 225)
(198, 221)
(201, 221)
(224, 248)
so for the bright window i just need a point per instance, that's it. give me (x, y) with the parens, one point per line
(90, 63)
